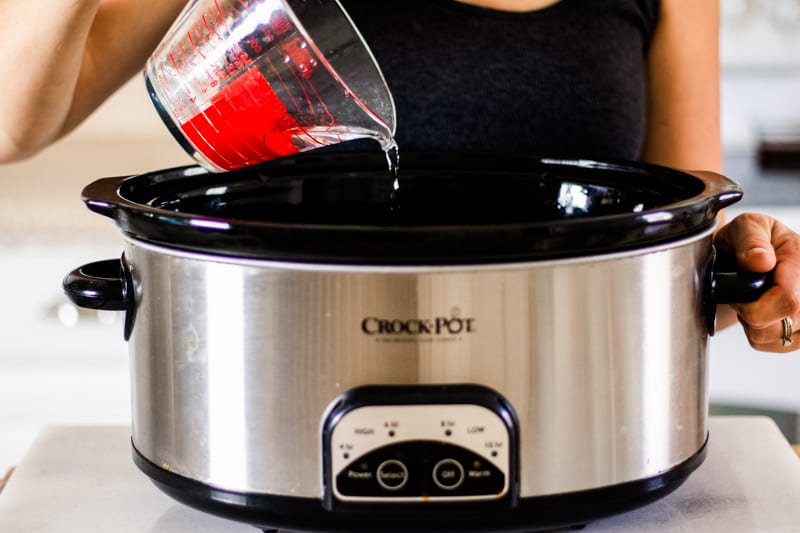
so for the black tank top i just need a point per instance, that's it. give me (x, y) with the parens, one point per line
(567, 80)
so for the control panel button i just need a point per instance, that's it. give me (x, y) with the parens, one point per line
(421, 469)
(408, 444)
(392, 474)
(448, 474)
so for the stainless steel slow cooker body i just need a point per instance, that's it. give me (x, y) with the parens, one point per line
(236, 362)
(524, 385)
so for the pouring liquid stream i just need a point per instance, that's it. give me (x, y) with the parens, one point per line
(392, 152)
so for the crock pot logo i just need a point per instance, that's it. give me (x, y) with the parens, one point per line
(435, 328)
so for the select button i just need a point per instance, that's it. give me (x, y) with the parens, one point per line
(392, 474)
(448, 474)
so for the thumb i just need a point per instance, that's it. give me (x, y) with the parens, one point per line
(748, 237)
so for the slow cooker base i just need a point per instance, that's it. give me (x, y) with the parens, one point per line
(272, 512)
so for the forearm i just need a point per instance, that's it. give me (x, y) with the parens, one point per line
(62, 58)
(683, 98)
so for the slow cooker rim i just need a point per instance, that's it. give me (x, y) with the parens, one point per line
(171, 216)
(414, 244)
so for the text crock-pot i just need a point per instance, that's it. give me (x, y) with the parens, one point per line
(496, 345)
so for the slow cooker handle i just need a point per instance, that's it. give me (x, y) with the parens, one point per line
(105, 285)
(740, 286)
(727, 284)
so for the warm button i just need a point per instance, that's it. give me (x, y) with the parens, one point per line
(448, 474)
(392, 474)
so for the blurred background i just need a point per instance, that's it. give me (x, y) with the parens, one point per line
(59, 364)
(760, 54)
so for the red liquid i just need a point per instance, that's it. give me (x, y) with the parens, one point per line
(245, 124)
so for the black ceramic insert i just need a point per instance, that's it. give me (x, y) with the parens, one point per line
(444, 209)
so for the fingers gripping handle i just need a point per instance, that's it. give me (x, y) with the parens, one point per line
(727, 284)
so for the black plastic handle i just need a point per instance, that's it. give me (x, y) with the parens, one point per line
(99, 285)
(105, 285)
(739, 286)
(727, 284)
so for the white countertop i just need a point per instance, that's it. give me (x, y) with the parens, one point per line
(79, 479)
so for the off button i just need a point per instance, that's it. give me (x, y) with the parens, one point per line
(392, 474)
(448, 474)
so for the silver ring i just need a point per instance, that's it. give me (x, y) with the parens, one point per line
(787, 331)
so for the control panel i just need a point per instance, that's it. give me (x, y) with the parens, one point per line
(405, 449)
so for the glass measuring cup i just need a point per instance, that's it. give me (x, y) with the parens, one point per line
(240, 82)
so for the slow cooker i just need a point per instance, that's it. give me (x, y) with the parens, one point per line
(487, 344)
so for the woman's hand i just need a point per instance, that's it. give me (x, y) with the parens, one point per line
(761, 243)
